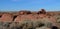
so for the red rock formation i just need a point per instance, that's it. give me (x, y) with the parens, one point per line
(27, 15)
(22, 16)
(7, 17)
(24, 12)
(31, 17)
(42, 11)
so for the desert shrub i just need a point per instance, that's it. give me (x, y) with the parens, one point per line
(14, 25)
(17, 25)
(38, 24)
(28, 24)
(6, 25)
(44, 27)
(46, 22)
(1, 25)
(58, 19)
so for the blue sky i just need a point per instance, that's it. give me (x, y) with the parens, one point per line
(32, 5)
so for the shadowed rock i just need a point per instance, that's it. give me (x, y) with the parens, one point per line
(54, 27)
(17, 19)
(0, 16)
(14, 18)
(42, 11)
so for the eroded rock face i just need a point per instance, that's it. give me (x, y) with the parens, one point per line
(17, 19)
(31, 17)
(26, 17)
(7, 17)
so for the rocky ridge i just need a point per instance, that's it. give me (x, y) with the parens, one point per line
(30, 20)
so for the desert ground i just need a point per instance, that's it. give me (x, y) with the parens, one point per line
(30, 20)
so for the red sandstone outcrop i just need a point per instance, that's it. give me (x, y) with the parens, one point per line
(42, 11)
(24, 12)
(24, 15)
(7, 17)
(41, 16)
